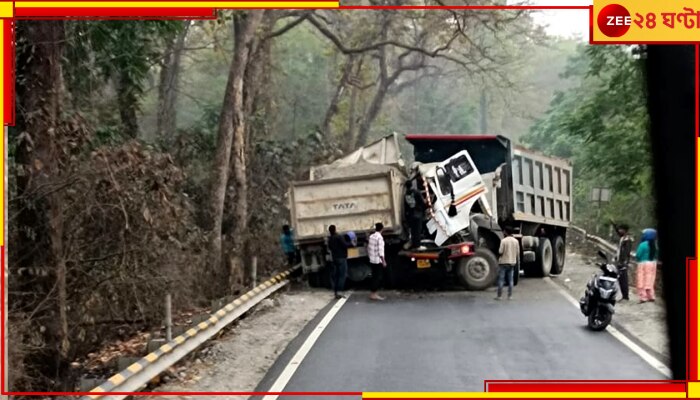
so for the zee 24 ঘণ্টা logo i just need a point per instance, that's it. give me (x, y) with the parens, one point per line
(615, 20)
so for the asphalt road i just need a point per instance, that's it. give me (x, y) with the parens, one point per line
(454, 341)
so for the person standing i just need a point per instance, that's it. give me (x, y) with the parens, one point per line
(375, 250)
(509, 258)
(647, 256)
(339, 254)
(415, 207)
(287, 243)
(623, 259)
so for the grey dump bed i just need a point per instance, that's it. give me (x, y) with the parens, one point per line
(541, 187)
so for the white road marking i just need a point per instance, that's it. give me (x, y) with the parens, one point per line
(651, 360)
(294, 363)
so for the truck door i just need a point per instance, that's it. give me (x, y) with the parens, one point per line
(456, 180)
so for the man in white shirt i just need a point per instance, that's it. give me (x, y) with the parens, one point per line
(375, 251)
(509, 258)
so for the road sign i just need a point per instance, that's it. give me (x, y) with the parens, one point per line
(600, 195)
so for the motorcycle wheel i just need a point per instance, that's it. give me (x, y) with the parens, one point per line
(598, 321)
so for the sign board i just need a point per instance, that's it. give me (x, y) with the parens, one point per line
(600, 195)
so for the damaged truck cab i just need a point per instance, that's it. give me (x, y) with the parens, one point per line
(518, 188)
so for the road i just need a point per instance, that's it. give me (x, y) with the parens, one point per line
(453, 342)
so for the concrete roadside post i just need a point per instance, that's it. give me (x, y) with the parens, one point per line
(168, 318)
(254, 271)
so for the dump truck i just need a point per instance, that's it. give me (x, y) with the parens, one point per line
(474, 186)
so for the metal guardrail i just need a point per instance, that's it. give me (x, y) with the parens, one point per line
(138, 374)
(598, 240)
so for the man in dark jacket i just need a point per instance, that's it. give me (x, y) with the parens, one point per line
(623, 259)
(415, 207)
(338, 245)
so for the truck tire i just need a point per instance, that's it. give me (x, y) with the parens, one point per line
(545, 258)
(559, 251)
(479, 271)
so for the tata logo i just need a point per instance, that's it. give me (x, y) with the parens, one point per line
(344, 206)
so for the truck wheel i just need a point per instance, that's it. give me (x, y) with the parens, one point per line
(479, 271)
(545, 258)
(559, 248)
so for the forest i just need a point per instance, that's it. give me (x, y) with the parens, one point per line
(153, 157)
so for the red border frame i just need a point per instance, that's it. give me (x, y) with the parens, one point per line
(209, 13)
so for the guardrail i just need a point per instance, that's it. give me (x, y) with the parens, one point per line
(138, 374)
(598, 240)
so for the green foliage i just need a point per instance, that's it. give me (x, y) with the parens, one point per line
(602, 126)
(304, 76)
(118, 52)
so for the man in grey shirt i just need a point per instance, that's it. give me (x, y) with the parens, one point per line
(509, 258)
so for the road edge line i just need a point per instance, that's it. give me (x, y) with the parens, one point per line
(645, 355)
(288, 372)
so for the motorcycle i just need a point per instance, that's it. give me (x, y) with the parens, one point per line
(598, 302)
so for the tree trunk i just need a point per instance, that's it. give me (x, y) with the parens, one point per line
(245, 39)
(255, 103)
(127, 101)
(40, 154)
(168, 86)
(231, 133)
(483, 112)
(385, 80)
(350, 134)
(372, 112)
(257, 78)
(333, 107)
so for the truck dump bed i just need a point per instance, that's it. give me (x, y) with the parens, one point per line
(353, 198)
(541, 188)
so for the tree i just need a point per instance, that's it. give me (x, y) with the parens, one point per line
(403, 42)
(39, 156)
(231, 137)
(119, 52)
(169, 82)
(607, 110)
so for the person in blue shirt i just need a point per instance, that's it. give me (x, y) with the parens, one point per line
(647, 256)
(287, 243)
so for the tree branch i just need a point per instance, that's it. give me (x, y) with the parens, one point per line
(288, 27)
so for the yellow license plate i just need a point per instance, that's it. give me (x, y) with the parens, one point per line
(353, 253)
(423, 263)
